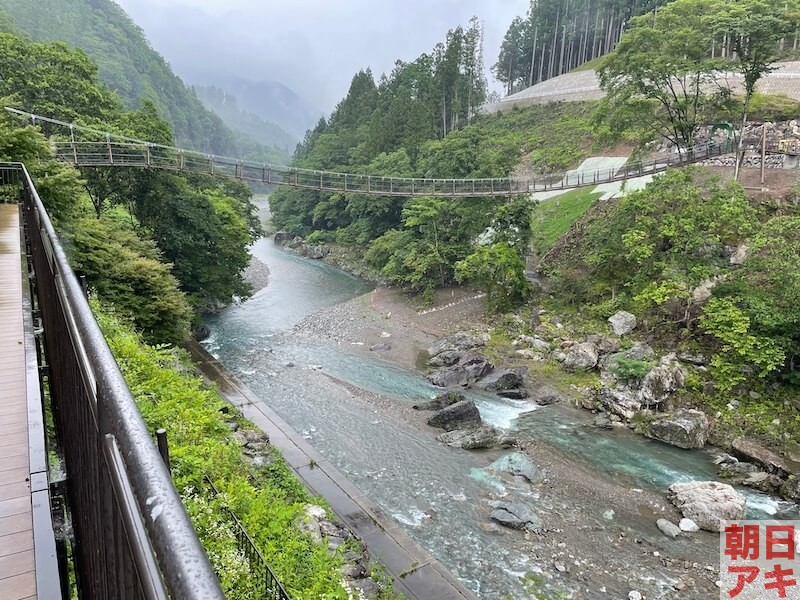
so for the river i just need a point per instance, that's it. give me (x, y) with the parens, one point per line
(439, 495)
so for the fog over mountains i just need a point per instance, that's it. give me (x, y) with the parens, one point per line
(303, 53)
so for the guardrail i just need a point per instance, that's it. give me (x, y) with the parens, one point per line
(269, 587)
(134, 538)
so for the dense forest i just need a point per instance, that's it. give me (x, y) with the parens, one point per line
(557, 36)
(420, 120)
(156, 245)
(130, 67)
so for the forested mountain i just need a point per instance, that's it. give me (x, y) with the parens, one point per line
(130, 67)
(558, 35)
(227, 106)
(154, 244)
(420, 121)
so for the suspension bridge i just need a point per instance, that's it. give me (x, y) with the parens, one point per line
(110, 150)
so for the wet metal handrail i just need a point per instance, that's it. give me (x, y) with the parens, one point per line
(134, 537)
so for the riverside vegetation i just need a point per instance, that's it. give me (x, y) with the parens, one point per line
(707, 268)
(158, 249)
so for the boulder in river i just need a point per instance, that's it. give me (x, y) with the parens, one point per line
(514, 515)
(761, 455)
(517, 464)
(503, 379)
(441, 401)
(461, 415)
(683, 428)
(448, 358)
(582, 357)
(791, 488)
(477, 438)
(622, 323)
(282, 237)
(668, 528)
(707, 503)
(449, 377)
(475, 366)
(458, 342)
(380, 347)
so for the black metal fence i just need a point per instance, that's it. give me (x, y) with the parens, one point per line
(134, 538)
(269, 587)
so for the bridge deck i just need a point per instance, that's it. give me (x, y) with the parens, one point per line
(17, 570)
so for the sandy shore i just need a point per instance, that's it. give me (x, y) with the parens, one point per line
(594, 555)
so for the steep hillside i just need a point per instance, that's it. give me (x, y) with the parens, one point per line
(127, 64)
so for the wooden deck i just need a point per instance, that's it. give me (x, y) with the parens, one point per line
(17, 570)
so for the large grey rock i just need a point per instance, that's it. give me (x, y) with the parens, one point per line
(477, 438)
(761, 455)
(688, 525)
(660, 383)
(707, 503)
(514, 515)
(457, 342)
(582, 357)
(503, 379)
(441, 401)
(791, 488)
(620, 401)
(449, 377)
(683, 428)
(668, 528)
(517, 464)
(448, 358)
(475, 366)
(461, 415)
(622, 323)
(315, 252)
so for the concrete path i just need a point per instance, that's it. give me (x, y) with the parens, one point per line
(417, 575)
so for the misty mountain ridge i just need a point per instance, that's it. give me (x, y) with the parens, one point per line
(226, 105)
(272, 101)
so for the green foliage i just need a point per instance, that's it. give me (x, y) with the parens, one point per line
(127, 64)
(758, 311)
(660, 71)
(553, 217)
(500, 271)
(657, 244)
(631, 369)
(269, 503)
(205, 234)
(740, 347)
(125, 271)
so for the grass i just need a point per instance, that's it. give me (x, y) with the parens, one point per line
(592, 64)
(552, 218)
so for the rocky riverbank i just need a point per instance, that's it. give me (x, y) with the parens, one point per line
(572, 518)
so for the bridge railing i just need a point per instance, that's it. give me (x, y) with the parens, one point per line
(113, 153)
(134, 538)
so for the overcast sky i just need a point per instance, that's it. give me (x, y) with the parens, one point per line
(313, 46)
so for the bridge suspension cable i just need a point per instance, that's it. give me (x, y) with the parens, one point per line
(113, 150)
